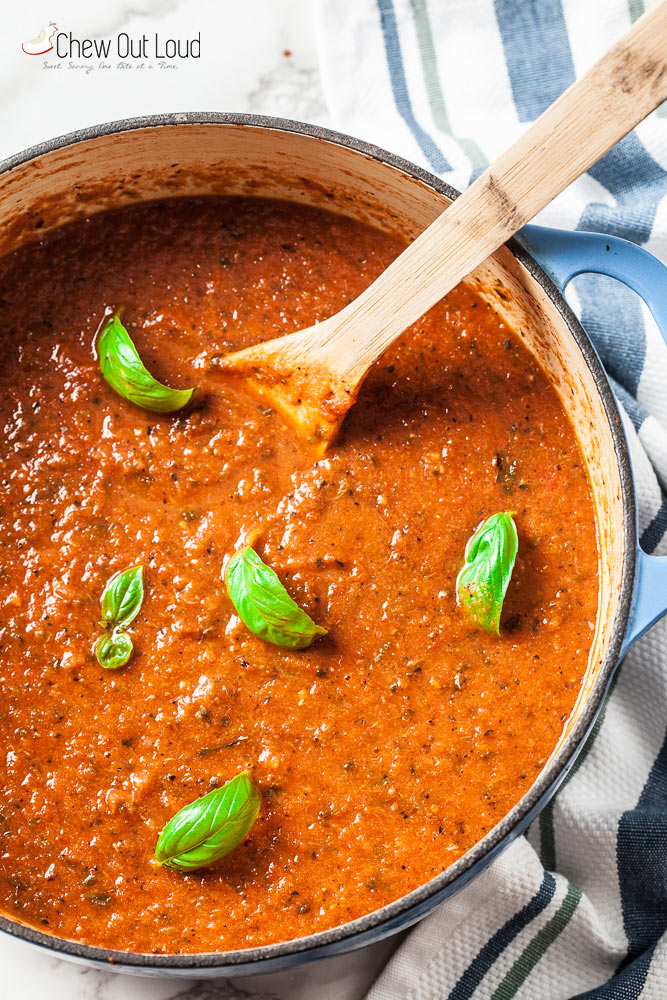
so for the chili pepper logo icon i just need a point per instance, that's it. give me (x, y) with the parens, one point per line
(42, 43)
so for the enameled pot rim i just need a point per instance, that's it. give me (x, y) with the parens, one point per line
(420, 901)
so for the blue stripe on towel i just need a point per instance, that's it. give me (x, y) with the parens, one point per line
(633, 215)
(651, 537)
(399, 87)
(634, 410)
(626, 985)
(497, 944)
(611, 314)
(537, 48)
(641, 859)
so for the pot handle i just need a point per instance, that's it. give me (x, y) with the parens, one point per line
(563, 254)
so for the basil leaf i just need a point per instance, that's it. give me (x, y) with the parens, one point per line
(489, 560)
(210, 827)
(124, 371)
(113, 650)
(122, 596)
(264, 605)
(121, 601)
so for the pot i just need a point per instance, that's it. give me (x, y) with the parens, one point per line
(193, 154)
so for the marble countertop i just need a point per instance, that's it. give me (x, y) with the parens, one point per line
(32, 974)
(258, 56)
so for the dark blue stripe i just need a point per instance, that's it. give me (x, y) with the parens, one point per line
(612, 317)
(634, 410)
(652, 535)
(625, 985)
(641, 858)
(496, 945)
(399, 87)
(637, 184)
(537, 53)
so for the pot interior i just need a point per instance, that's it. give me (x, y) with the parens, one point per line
(184, 158)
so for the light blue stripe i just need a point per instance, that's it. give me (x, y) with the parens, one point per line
(636, 182)
(537, 53)
(399, 87)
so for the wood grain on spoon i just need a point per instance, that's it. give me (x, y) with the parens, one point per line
(312, 377)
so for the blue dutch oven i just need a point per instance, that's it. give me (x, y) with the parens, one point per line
(190, 154)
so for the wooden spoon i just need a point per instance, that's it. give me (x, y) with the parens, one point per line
(312, 377)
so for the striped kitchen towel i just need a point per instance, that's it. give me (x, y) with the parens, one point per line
(578, 908)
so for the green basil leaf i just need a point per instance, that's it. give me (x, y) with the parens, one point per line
(124, 371)
(122, 596)
(113, 650)
(489, 560)
(210, 827)
(264, 605)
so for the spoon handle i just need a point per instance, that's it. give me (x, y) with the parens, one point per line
(584, 123)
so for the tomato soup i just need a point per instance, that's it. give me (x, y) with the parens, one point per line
(389, 746)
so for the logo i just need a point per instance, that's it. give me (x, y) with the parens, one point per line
(42, 43)
(121, 51)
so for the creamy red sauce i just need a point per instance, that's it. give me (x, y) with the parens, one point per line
(386, 749)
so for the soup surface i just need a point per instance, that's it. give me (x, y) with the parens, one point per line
(390, 746)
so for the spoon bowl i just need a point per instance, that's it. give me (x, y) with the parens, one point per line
(313, 377)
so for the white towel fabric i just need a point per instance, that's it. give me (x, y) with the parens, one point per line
(579, 907)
